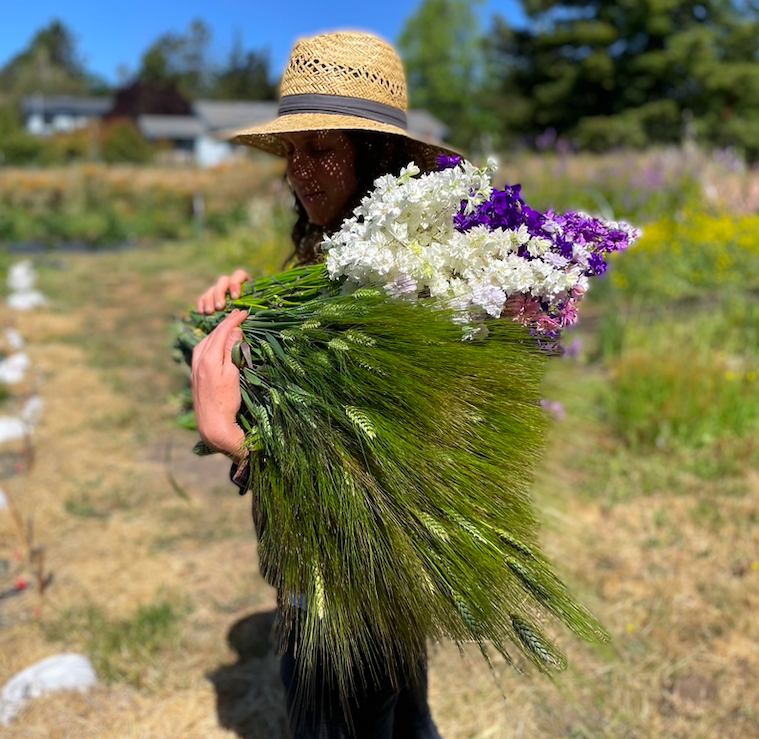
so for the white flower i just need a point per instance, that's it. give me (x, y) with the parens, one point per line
(402, 237)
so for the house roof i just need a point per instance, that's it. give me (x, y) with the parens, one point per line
(66, 105)
(224, 115)
(172, 127)
(423, 125)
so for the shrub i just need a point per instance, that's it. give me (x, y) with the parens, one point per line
(21, 148)
(602, 132)
(121, 141)
(665, 399)
(690, 256)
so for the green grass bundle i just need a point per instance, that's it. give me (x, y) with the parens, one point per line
(391, 464)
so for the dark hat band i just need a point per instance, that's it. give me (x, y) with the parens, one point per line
(343, 105)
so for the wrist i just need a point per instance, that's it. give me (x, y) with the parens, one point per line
(230, 442)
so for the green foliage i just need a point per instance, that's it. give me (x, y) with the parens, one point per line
(98, 204)
(680, 335)
(181, 60)
(634, 128)
(65, 148)
(444, 54)
(688, 255)
(631, 73)
(122, 142)
(662, 399)
(184, 61)
(50, 65)
(246, 76)
(391, 462)
(17, 146)
(123, 650)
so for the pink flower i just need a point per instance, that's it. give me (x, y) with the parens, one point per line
(568, 313)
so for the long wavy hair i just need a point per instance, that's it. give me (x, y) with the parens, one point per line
(376, 154)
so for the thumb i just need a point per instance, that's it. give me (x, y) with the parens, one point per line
(233, 337)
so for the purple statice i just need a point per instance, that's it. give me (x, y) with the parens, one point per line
(446, 162)
(568, 232)
(576, 242)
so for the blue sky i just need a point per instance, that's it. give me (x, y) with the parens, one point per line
(112, 35)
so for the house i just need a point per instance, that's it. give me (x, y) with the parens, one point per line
(223, 118)
(45, 115)
(197, 129)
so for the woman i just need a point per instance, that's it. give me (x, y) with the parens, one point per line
(341, 125)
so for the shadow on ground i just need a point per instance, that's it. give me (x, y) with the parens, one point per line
(250, 699)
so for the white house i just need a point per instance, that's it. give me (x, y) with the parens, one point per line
(44, 115)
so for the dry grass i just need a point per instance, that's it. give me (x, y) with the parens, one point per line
(672, 572)
(48, 187)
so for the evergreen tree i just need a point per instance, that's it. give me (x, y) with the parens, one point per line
(50, 64)
(180, 60)
(184, 61)
(246, 76)
(630, 72)
(444, 54)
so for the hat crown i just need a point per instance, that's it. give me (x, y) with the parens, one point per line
(349, 64)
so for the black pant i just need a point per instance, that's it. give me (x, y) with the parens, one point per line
(376, 711)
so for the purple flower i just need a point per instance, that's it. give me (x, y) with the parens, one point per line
(596, 264)
(575, 240)
(554, 408)
(446, 162)
(574, 350)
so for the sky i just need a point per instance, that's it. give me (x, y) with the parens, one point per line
(113, 36)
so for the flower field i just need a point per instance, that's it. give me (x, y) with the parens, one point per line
(649, 493)
(102, 204)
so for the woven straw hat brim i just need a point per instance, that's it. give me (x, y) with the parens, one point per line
(264, 136)
(267, 136)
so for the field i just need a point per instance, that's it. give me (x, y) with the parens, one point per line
(649, 493)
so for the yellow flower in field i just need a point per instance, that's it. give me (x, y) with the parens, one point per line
(730, 376)
(751, 376)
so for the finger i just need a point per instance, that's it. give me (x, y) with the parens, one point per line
(218, 338)
(205, 302)
(220, 292)
(235, 335)
(236, 281)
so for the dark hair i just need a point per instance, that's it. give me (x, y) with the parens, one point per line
(376, 154)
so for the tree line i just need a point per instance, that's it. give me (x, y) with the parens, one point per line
(587, 74)
(591, 74)
(51, 64)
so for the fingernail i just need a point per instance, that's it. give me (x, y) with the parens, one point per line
(219, 305)
(234, 295)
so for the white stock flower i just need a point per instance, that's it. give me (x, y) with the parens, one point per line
(402, 237)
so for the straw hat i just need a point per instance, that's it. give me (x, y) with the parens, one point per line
(347, 81)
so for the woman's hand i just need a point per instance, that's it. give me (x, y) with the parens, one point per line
(216, 388)
(215, 298)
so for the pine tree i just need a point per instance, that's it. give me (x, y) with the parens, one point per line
(632, 72)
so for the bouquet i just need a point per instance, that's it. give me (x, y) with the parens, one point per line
(391, 403)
